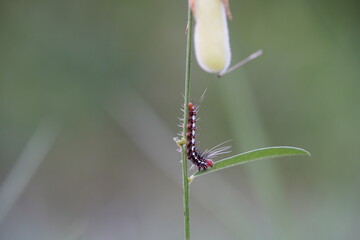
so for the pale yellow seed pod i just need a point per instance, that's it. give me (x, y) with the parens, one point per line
(211, 34)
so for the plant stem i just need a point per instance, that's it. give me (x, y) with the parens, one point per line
(186, 113)
(186, 195)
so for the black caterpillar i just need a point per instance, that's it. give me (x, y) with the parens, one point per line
(201, 159)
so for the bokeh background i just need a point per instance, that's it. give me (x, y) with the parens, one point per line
(90, 92)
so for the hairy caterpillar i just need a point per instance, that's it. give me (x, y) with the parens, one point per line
(201, 159)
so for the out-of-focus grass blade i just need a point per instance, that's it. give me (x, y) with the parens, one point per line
(27, 164)
(261, 153)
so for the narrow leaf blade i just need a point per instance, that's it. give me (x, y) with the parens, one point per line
(261, 153)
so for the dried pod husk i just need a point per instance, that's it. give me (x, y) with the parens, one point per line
(211, 34)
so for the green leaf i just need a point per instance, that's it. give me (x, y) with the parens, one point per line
(261, 153)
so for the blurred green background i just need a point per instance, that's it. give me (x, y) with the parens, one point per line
(90, 92)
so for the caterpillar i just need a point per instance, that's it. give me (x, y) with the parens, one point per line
(201, 159)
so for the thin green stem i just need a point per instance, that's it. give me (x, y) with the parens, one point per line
(186, 112)
(186, 195)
